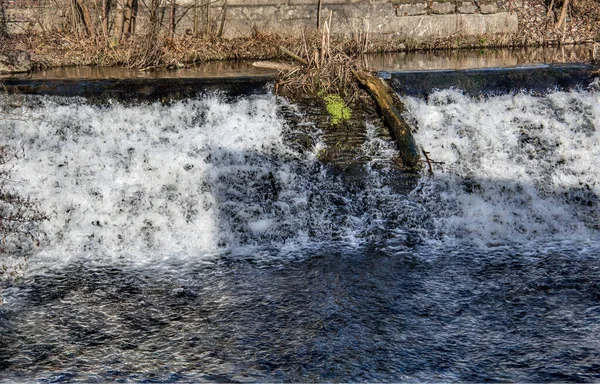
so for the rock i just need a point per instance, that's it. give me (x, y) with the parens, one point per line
(15, 62)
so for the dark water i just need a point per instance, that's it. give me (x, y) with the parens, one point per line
(338, 314)
(496, 81)
(195, 242)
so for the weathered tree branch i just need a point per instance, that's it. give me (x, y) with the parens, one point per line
(391, 112)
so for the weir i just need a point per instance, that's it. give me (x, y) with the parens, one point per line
(203, 239)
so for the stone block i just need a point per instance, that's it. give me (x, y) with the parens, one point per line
(443, 7)
(427, 26)
(478, 24)
(13, 61)
(315, 3)
(291, 27)
(423, 26)
(297, 12)
(411, 9)
(255, 3)
(466, 7)
(238, 28)
(358, 11)
(341, 2)
(487, 7)
(252, 13)
(357, 26)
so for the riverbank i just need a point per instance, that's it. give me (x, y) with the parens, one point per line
(537, 26)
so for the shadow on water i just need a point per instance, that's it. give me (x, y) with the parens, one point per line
(390, 309)
(135, 90)
(538, 79)
(338, 315)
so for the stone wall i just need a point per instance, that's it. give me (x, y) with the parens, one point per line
(350, 18)
(25, 15)
(397, 18)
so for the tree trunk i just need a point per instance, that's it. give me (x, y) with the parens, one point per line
(272, 65)
(135, 5)
(127, 18)
(154, 16)
(196, 18)
(75, 17)
(104, 17)
(87, 20)
(3, 29)
(120, 20)
(391, 109)
(563, 13)
(223, 16)
(206, 16)
(319, 15)
(172, 22)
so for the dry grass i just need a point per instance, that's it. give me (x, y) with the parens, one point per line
(324, 70)
(54, 49)
(537, 26)
(327, 66)
(538, 23)
(334, 76)
(329, 71)
(62, 49)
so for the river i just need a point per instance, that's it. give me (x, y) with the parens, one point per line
(195, 241)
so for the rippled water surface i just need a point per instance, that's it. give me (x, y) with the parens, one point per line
(198, 241)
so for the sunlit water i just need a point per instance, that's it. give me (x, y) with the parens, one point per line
(196, 241)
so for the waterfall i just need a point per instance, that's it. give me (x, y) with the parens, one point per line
(517, 168)
(195, 177)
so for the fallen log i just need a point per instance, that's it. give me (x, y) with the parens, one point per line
(273, 65)
(391, 109)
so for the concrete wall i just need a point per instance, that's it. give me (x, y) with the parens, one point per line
(398, 19)
(350, 18)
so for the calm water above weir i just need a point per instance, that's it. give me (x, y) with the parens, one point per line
(199, 241)
(393, 61)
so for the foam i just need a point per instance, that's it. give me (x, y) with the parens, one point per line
(137, 179)
(196, 178)
(518, 168)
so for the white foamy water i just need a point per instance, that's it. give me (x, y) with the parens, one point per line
(517, 168)
(154, 180)
(188, 179)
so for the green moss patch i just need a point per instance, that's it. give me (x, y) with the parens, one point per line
(337, 109)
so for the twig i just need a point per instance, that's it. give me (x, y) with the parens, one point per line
(550, 8)
(319, 15)
(291, 54)
(429, 161)
(563, 14)
(305, 46)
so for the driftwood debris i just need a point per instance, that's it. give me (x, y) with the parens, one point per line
(283, 67)
(291, 54)
(391, 111)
